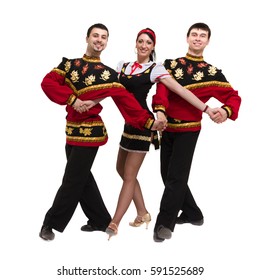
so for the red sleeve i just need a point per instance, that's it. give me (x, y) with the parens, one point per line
(58, 91)
(160, 100)
(131, 110)
(229, 98)
(54, 86)
(129, 107)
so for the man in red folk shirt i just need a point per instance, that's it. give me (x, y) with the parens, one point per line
(184, 123)
(76, 83)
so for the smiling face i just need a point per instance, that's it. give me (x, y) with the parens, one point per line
(144, 46)
(198, 39)
(97, 42)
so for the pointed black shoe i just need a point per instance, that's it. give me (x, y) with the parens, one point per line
(46, 233)
(90, 228)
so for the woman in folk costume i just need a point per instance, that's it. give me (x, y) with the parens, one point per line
(138, 77)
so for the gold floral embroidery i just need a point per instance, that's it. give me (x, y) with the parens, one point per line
(67, 66)
(147, 71)
(74, 76)
(85, 131)
(89, 80)
(212, 71)
(198, 76)
(105, 75)
(173, 64)
(178, 73)
(69, 130)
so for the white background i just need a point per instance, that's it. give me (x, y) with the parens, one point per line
(35, 35)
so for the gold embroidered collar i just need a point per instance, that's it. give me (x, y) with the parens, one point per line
(193, 57)
(91, 58)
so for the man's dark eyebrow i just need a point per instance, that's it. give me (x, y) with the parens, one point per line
(103, 35)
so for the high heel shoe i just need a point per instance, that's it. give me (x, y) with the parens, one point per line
(111, 230)
(139, 220)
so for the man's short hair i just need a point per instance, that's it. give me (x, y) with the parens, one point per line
(200, 25)
(97, 25)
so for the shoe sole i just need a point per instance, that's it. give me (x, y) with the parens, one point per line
(46, 239)
(199, 223)
(159, 240)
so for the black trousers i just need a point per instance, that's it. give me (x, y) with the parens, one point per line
(78, 186)
(177, 151)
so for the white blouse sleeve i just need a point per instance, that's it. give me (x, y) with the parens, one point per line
(119, 66)
(159, 72)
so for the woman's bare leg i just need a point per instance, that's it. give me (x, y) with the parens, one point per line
(128, 166)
